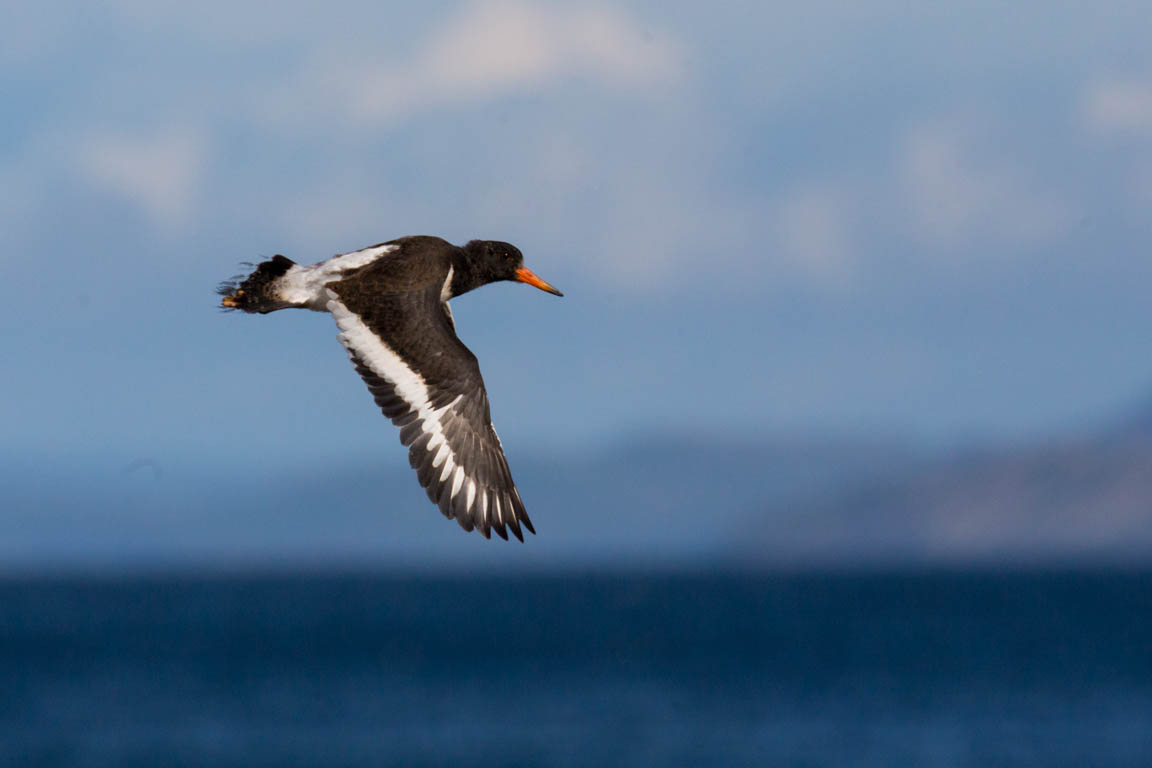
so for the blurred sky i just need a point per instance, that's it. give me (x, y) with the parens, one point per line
(918, 218)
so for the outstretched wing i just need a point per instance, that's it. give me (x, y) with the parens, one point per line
(428, 383)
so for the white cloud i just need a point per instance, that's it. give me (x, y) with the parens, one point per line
(957, 189)
(1119, 111)
(812, 228)
(1119, 108)
(490, 49)
(159, 173)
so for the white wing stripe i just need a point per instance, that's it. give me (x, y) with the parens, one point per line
(354, 259)
(409, 385)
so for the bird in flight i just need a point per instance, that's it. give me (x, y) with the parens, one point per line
(390, 302)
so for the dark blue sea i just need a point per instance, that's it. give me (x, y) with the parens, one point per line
(479, 669)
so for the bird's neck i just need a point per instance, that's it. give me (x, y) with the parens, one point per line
(465, 275)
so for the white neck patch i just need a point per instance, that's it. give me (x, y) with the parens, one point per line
(446, 290)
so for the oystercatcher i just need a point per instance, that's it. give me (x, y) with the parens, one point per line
(390, 302)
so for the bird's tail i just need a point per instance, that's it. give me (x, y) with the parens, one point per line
(259, 291)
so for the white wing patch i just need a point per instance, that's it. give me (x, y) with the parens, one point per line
(307, 286)
(409, 386)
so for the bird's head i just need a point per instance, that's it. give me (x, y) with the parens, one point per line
(494, 260)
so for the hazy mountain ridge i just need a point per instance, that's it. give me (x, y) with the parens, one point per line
(1071, 499)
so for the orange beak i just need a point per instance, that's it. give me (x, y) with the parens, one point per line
(526, 275)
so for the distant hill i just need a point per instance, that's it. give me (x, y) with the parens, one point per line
(1069, 500)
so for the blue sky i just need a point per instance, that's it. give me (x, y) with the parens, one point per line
(767, 217)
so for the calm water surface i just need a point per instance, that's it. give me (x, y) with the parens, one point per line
(924, 669)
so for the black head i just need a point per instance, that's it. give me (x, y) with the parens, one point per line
(492, 260)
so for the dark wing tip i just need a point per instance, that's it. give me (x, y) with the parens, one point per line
(514, 524)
